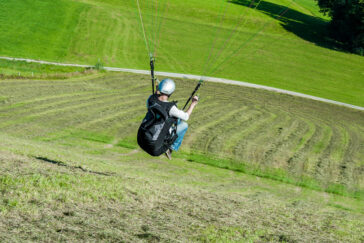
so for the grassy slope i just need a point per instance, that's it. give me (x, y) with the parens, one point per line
(271, 135)
(123, 195)
(70, 171)
(287, 54)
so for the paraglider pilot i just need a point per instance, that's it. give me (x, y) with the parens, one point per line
(164, 126)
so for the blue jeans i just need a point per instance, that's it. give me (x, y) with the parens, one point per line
(182, 127)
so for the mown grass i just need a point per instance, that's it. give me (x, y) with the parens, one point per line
(290, 53)
(22, 69)
(71, 169)
(271, 173)
(284, 138)
(71, 194)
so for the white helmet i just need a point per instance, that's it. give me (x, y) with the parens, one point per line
(167, 86)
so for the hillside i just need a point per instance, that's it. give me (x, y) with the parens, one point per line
(71, 171)
(290, 52)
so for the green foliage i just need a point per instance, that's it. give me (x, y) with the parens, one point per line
(347, 24)
(99, 66)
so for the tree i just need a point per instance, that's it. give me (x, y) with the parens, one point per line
(347, 22)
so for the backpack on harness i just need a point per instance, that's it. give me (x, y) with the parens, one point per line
(158, 130)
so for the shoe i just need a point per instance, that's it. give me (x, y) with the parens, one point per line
(169, 154)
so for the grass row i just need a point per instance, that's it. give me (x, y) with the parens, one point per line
(259, 130)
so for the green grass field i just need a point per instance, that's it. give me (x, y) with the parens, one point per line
(22, 70)
(289, 53)
(71, 169)
(255, 166)
(258, 167)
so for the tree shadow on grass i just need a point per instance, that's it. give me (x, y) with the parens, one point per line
(307, 27)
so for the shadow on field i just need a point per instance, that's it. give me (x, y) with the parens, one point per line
(309, 28)
(60, 163)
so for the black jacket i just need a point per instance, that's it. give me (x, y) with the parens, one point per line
(158, 130)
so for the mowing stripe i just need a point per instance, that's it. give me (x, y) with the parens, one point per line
(249, 132)
(250, 124)
(48, 104)
(213, 122)
(51, 106)
(56, 111)
(197, 77)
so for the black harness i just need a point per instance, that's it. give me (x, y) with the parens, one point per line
(158, 130)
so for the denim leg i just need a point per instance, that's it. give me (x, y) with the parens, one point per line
(182, 127)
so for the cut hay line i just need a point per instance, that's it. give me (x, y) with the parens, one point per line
(211, 123)
(250, 127)
(276, 147)
(197, 77)
(219, 137)
(310, 131)
(30, 102)
(303, 156)
(105, 104)
(115, 115)
(209, 108)
(215, 138)
(346, 166)
(115, 119)
(50, 104)
(53, 107)
(343, 145)
(55, 112)
(325, 140)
